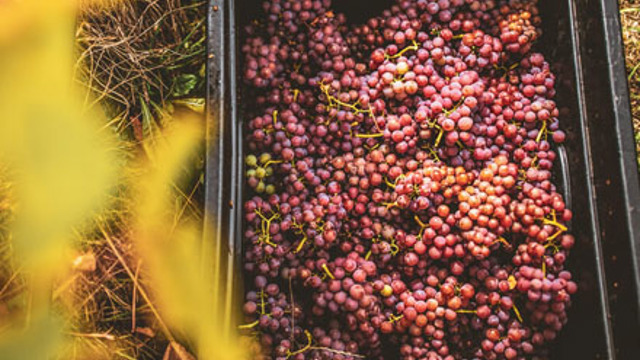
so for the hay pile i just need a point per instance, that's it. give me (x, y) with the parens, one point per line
(138, 55)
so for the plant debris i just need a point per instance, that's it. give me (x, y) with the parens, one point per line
(136, 56)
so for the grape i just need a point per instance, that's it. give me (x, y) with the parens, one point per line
(401, 200)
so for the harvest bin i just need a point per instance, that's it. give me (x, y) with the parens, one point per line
(598, 170)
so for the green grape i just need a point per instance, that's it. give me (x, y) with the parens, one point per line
(251, 173)
(270, 189)
(264, 158)
(261, 172)
(251, 160)
(261, 187)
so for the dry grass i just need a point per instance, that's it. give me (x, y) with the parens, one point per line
(141, 53)
(102, 324)
(630, 18)
(109, 304)
(12, 284)
(137, 58)
(106, 318)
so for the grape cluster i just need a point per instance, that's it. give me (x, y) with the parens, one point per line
(401, 200)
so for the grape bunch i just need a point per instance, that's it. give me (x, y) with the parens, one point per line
(401, 197)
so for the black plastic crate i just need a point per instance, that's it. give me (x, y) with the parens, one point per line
(597, 164)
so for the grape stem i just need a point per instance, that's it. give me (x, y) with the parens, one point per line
(455, 107)
(369, 136)
(412, 47)
(502, 241)
(390, 205)
(265, 225)
(393, 318)
(423, 226)
(372, 147)
(271, 162)
(506, 69)
(300, 231)
(432, 152)
(337, 352)
(554, 222)
(249, 326)
(389, 183)
(366, 257)
(517, 312)
(542, 131)
(333, 101)
(307, 347)
(326, 270)
(394, 247)
(439, 138)
(304, 240)
(465, 311)
(262, 296)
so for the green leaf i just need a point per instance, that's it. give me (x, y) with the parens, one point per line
(633, 71)
(194, 104)
(147, 119)
(183, 84)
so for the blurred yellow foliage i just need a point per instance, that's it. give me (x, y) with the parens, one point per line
(172, 251)
(64, 165)
(61, 164)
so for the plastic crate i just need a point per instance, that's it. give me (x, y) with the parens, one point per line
(597, 164)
